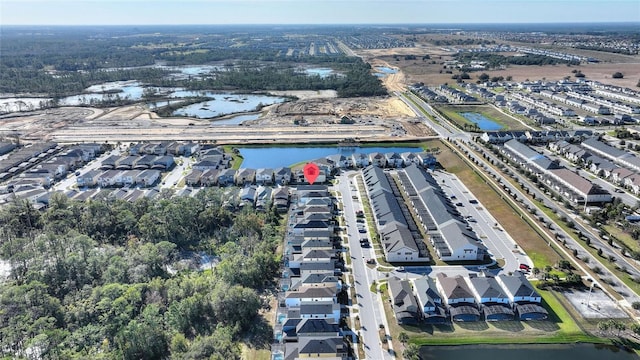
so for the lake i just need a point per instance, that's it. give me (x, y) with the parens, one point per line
(525, 352)
(273, 157)
(222, 103)
(130, 90)
(482, 121)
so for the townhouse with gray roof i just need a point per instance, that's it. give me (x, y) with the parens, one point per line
(457, 295)
(398, 241)
(404, 304)
(429, 299)
(492, 298)
(447, 230)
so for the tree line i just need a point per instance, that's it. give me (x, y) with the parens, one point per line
(111, 279)
(495, 60)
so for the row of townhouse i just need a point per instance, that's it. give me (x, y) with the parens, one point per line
(22, 158)
(118, 178)
(535, 136)
(426, 94)
(138, 162)
(483, 92)
(212, 158)
(577, 100)
(399, 235)
(617, 106)
(261, 196)
(309, 314)
(568, 184)
(603, 167)
(451, 235)
(542, 105)
(530, 112)
(454, 94)
(615, 92)
(616, 155)
(6, 147)
(248, 176)
(174, 148)
(57, 166)
(214, 175)
(462, 299)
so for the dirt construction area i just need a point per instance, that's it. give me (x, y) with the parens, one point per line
(313, 117)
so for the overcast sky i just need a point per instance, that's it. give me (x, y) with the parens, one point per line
(146, 12)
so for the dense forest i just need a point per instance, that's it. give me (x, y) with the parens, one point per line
(66, 63)
(109, 279)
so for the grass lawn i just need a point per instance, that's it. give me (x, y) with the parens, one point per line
(255, 354)
(623, 237)
(237, 159)
(453, 112)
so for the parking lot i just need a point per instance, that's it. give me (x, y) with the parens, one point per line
(500, 244)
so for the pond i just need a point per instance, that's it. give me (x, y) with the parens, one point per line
(322, 72)
(130, 90)
(273, 157)
(525, 352)
(222, 103)
(386, 70)
(482, 121)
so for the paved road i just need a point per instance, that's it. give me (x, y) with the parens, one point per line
(500, 244)
(464, 140)
(68, 182)
(369, 306)
(582, 226)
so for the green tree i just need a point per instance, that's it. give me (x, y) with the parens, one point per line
(403, 337)
(411, 352)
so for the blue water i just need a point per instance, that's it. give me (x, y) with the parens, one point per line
(278, 356)
(222, 103)
(483, 122)
(279, 337)
(322, 72)
(386, 70)
(127, 90)
(281, 318)
(273, 157)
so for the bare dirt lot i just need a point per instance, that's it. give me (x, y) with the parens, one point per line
(317, 114)
(433, 71)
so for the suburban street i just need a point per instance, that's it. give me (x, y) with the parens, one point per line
(370, 309)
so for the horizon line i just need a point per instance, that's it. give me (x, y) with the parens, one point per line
(340, 24)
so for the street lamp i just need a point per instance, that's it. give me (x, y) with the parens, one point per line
(589, 297)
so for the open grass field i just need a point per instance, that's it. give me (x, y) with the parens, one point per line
(453, 113)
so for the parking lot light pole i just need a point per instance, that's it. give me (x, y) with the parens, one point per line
(589, 297)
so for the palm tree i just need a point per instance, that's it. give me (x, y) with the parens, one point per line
(411, 352)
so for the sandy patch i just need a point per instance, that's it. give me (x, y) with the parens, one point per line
(307, 94)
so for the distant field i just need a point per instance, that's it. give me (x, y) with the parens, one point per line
(453, 113)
